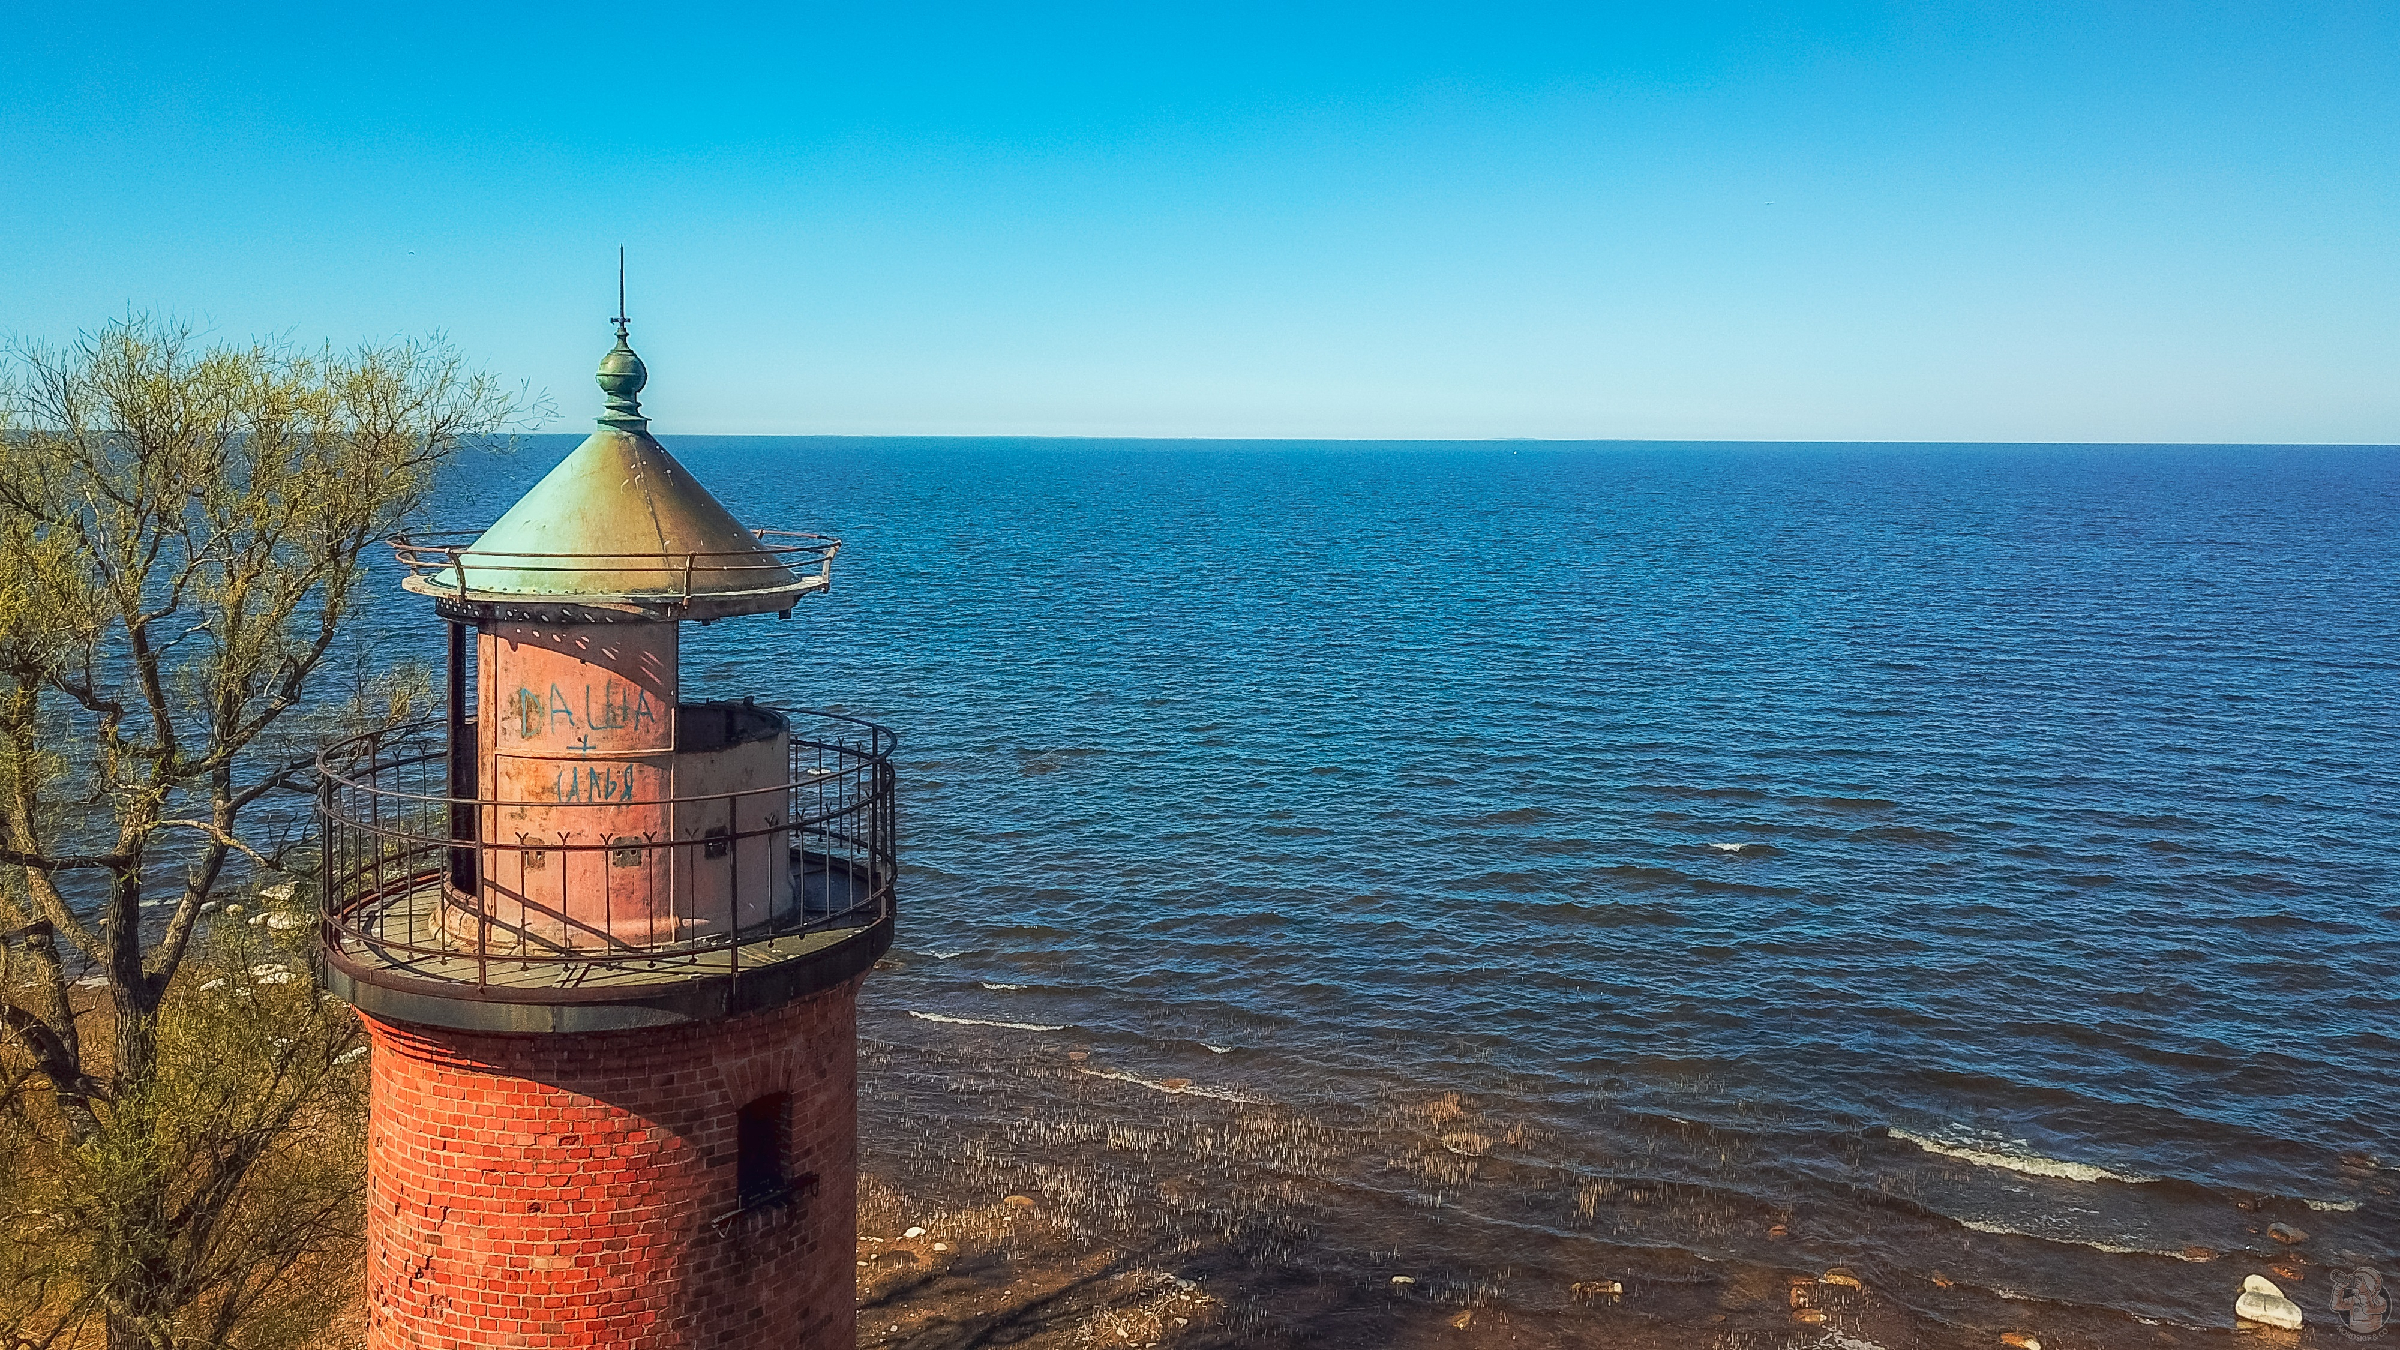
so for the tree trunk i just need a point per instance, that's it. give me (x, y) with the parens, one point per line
(124, 1334)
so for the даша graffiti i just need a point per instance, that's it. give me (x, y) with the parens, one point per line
(620, 706)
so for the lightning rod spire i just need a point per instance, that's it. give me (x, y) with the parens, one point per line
(619, 320)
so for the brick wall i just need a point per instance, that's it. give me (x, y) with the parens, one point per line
(579, 1191)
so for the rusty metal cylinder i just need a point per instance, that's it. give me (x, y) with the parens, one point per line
(579, 750)
(617, 815)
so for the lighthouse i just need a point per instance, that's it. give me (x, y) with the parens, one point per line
(606, 933)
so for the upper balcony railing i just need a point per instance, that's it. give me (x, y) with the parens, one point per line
(423, 886)
(446, 563)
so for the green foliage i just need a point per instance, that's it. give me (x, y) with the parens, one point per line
(182, 536)
(219, 1201)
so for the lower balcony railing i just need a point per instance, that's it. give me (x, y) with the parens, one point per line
(497, 894)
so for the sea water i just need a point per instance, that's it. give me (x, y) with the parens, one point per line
(1982, 854)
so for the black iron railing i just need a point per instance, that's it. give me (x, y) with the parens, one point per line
(416, 878)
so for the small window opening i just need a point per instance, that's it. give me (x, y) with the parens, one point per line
(535, 859)
(625, 851)
(719, 845)
(759, 1133)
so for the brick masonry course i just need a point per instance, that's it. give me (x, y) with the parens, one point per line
(553, 1191)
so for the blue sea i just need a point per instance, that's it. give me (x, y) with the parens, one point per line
(1966, 859)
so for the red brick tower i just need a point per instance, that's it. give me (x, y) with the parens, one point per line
(607, 939)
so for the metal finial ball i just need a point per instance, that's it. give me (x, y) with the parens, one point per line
(622, 373)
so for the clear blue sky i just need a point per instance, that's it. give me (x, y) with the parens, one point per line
(1979, 222)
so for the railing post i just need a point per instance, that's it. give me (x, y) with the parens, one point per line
(462, 788)
(327, 833)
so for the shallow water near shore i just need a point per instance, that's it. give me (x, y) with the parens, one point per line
(1973, 861)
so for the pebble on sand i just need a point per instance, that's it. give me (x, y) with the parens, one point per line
(2196, 1253)
(2286, 1234)
(1585, 1290)
(2020, 1340)
(1811, 1315)
(914, 1233)
(1403, 1281)
(1019, 1201)
(1842, 1277)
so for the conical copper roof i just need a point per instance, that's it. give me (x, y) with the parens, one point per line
(620, 523)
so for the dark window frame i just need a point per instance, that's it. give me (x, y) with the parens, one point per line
(762, 1130)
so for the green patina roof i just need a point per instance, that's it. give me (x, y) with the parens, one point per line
(622, 518)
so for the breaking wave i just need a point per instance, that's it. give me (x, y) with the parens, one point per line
(980, 1022)
(2031, 1164)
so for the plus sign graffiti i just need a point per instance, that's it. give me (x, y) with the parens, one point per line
(2359, 1296)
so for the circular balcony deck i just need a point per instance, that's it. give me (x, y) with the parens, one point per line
(424, 922)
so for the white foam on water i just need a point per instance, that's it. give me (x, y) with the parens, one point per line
(1004, 988)
(979, 1022)
(1227, 1050)
(1842, 1340)
(1186, 1090)
(2016, 1158)
(944, 956)
(2331, 1206)
(1729, 848)
(2112, 1248)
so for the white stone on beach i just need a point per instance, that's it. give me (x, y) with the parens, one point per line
(2272, 1309)
(2260, 1284)
(914, 1233)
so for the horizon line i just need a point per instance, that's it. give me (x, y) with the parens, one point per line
(1481, 440)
